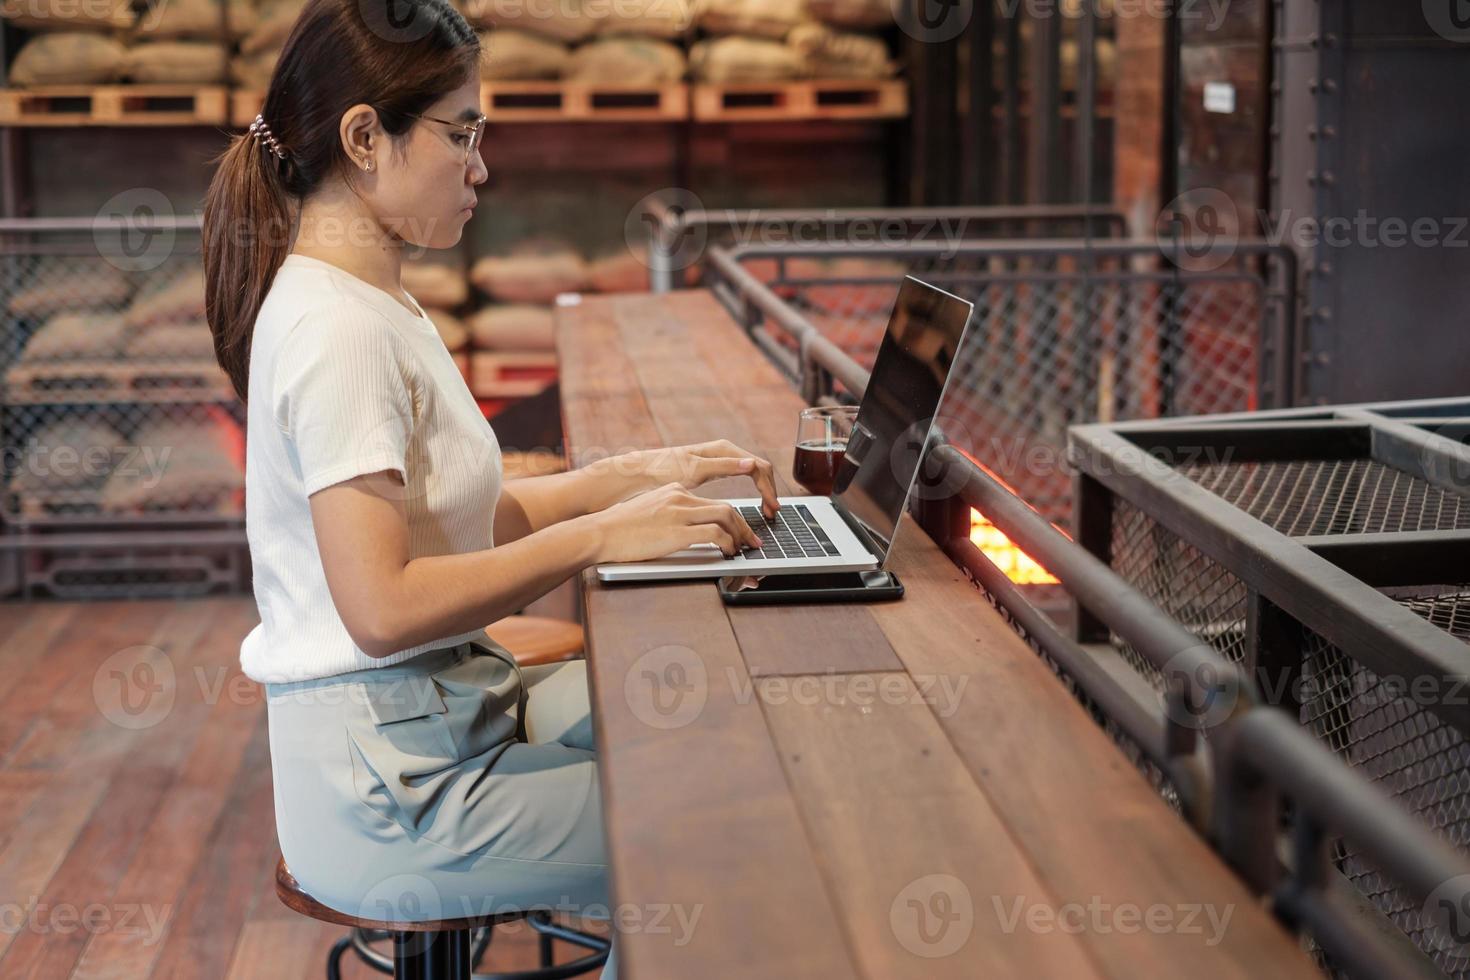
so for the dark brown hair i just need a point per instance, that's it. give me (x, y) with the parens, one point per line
(398, 56)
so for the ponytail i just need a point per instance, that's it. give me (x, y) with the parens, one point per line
(247, 234)
(340, 53)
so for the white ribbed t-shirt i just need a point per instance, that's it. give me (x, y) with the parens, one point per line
(345, 380)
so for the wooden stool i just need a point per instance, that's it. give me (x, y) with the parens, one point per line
(445, 949)
(536, 640)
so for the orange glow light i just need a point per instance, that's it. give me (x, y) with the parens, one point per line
(1019, 567)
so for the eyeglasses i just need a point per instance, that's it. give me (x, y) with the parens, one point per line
(472, 141)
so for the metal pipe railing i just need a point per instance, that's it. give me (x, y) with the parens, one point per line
(670, 224)
(1231, 784)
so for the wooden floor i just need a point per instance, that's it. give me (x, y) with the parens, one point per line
(137, 830)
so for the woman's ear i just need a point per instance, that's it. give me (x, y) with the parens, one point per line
(360, 134)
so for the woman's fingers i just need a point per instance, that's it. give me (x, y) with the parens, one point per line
(724, 458)
(714, 534)
(728, 518)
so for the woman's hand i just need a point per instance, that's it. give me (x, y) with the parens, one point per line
(659, 522)
(691, 466)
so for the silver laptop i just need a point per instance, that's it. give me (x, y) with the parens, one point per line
(853, 529)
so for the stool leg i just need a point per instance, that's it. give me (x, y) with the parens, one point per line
(432, 955)
(334, 957)
(547, 955)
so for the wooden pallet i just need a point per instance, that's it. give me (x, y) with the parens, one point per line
(52, 381)
(836, 99)
(576, 102)
(511, 374)
(114, 105)
(245, 105)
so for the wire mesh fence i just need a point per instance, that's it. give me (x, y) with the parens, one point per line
(1065, 332)
(114, 415)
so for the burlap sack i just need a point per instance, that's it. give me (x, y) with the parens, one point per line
(626, 61)
(757, 18)
(176, 62)
(434, 283)
(68, 15)
(273, 24)
(514, 326)
(191, 466)
(620, 271)
(664, 19)
(254, 70)
(179, 298)
(517, 55)
(69, 454)
(860, 15)
(201, 19)
(77, 336)
(58, 285)
(533, 272)
(744, 59)
(838, 54)
(562, 20)
(68, 58)
(451, 329)
(172, 342)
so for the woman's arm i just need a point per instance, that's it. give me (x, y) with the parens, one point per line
(535, 503)
(390, 602)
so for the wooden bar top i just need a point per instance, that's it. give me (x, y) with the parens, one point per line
(892, 790)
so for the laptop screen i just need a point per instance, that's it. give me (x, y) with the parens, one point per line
(874, 478)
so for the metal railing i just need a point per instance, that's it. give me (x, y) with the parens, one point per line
(1252, 779)
(1326, 551)
(1075, 330)
(123, 441)
(679, 236)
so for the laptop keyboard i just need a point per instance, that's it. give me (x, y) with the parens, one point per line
(792, 533)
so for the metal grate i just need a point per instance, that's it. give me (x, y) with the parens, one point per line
(1379, 728)
(1196, 591)
(1353, 496)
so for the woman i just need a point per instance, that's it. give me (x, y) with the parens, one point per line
(419, 774)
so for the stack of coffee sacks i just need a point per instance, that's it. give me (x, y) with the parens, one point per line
(593, 42)
(760, 41)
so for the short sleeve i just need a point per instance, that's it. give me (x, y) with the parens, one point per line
(342, 397)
